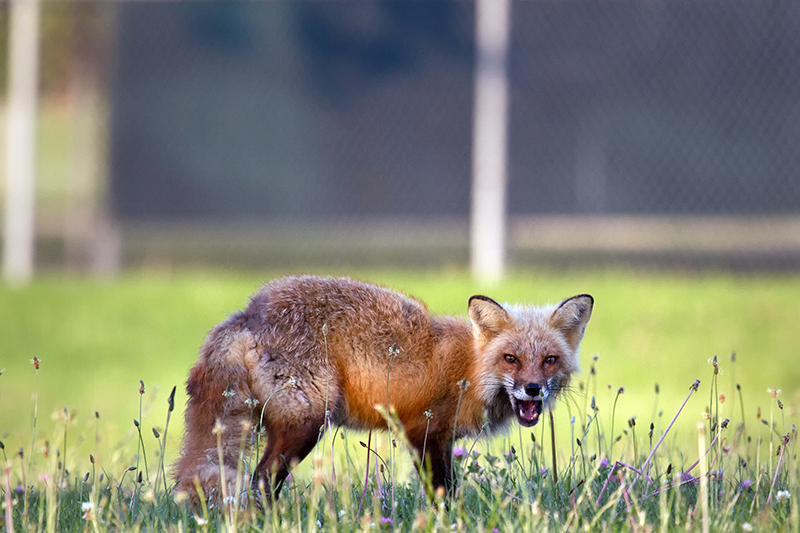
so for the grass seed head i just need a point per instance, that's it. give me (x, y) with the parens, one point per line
(171, 399)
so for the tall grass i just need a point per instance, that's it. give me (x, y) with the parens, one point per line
(739, 476)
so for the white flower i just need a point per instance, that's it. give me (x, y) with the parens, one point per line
(200, 521)
(783, 495)
(747, 526)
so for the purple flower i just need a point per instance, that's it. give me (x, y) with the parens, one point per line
(459, 452)
(603, 463)
(543, 472)
(746, 484)
(386, 521)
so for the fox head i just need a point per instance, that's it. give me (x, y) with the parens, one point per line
(527, 354)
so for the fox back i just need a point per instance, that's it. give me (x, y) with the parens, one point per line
(309, 351)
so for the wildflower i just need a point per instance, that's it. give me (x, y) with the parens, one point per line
(88, 510)
(2, 370)
(783, 496)
(228, 392)
(721, 397)
(251, 402)
(543, 472)
(386, 521)
(141, 387)
(459, 452)
(686, 477)
(715, 363)
(603, 463)
(621, 390)
(747, 526)
(745, 485)
(35, 362)
(464, 384)
(429, 414)
(510, 454)
(200, 521)
(774, 392)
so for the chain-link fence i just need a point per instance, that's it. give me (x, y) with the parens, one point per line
(659, 129)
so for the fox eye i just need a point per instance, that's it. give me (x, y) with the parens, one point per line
(550, 359)
(510, 358)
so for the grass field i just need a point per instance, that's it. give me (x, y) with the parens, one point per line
(96, 340)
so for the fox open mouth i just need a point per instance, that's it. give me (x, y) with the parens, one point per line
(528, 412)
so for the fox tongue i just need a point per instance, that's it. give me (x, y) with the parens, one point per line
(527, 410)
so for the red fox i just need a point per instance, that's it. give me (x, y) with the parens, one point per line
(309, 347)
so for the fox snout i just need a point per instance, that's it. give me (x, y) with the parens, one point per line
(528, 409)
(533, 390)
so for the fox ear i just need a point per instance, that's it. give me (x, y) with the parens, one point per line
(487, 316)
(571, 317)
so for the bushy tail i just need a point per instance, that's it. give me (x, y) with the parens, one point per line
(220, 419)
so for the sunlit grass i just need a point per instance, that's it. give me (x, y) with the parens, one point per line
(736, 477)
(73, 418)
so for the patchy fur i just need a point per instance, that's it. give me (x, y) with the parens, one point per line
(308, 344)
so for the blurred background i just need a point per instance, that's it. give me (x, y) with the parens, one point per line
(341, 133)
(170, 156)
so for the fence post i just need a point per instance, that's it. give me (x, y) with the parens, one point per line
(490, 123)
(23, 81)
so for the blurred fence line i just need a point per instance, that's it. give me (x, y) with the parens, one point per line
(662, 131)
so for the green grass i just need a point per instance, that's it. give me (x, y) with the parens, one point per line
(96, 340)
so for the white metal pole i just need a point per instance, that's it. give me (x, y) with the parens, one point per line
(490, 123)
(23, 81)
